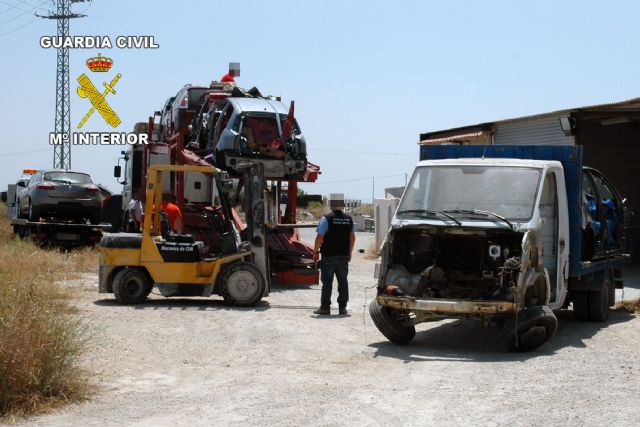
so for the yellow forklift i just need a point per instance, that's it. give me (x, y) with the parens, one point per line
(132, 263)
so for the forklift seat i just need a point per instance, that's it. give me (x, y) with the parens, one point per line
(121, 240)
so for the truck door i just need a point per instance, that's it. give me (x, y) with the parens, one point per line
(554, 229)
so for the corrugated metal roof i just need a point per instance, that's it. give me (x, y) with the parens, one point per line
(460, 137)
(541, 131)
(566, 111)
(557, 113)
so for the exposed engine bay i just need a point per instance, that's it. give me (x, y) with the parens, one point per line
(431, 262)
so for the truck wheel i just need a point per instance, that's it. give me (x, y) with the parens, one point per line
(534, 326)
(599, 302)
(580, 305)
(131, 286)
(387, 323)
(242, 284)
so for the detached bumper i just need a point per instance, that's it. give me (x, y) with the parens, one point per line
(452, 307)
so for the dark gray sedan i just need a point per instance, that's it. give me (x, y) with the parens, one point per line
(59, 194)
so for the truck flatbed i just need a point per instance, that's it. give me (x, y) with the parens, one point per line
(59, 233)
(25, 222)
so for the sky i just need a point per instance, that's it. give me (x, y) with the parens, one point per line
(367, 76)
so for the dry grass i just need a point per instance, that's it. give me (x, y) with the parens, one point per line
(42, 334)
(630, 306)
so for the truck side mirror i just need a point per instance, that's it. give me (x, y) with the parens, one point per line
(21, 184)
(117, 171)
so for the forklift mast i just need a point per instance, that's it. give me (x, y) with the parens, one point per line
(256, 207)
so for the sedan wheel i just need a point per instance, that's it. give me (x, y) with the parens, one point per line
(32, 215)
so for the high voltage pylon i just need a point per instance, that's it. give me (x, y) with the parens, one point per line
(62, 152)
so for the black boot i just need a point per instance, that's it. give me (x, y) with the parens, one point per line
(322, 310)
(343, 310)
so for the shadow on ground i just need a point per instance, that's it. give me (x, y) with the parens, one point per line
(470, 342)
(177, 303)
(277, 288)
(214, 303)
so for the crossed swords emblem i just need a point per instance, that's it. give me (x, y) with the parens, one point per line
(98, 101)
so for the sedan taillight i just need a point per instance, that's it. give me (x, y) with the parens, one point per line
(92, 189)
(45, 186)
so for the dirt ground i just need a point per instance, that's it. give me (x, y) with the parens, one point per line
(198, 362)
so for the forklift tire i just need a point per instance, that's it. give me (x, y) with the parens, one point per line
(389, 326)
(242, 284)
(535, 325)
(131, 286)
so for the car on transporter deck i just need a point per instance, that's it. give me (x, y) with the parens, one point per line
(237, 128)
(61, 194)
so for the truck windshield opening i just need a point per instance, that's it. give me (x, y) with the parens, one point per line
(506, 191)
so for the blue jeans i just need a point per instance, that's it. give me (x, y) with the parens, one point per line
(338, 265)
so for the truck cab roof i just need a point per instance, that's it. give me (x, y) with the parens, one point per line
(491, 162)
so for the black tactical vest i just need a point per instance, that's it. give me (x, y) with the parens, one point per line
(336, 239)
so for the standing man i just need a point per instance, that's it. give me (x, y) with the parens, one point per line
(135, 215)
(173, 212)
(335, 241)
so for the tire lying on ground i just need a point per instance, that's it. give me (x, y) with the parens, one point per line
(387, 322)
(242, 284)
(131, 286)
(535, 325)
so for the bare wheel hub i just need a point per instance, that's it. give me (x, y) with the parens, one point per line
(242, 285)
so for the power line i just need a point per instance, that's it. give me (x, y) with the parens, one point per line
(364, 178)
(362, 152)
(17, 153)
(19, 27)
(36, 6)
(14, 6)
(24, 12)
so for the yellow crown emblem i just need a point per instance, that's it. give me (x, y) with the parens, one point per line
(99, 64)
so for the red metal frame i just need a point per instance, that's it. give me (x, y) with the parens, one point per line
(177, 156)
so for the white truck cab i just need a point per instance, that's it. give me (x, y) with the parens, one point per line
(481, 238)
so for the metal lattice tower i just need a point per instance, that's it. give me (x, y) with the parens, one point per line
(62, 152)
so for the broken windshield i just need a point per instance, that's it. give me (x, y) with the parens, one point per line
(506, 191)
